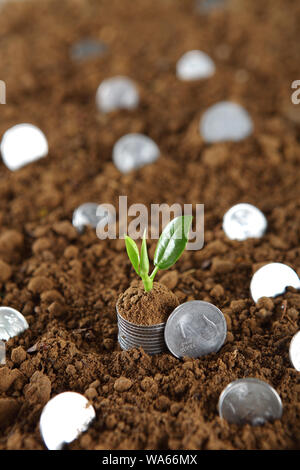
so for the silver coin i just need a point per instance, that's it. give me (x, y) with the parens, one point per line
(195, 65)
(150, 338)
(134, 151)
(148, 349)
(295, 351)
(90, 214)
(117, 93)
(272, 280)
(206, 6)
(12, 323)
(244, 221)
(250, 401)
(23, 144)
(147, 329)
(225, 121)
(64, 418)
(87, 49)
(2, 353)
(195, 329)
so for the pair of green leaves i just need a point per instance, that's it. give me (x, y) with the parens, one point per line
(170, 247)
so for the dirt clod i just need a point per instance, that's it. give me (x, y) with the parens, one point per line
(147, 308)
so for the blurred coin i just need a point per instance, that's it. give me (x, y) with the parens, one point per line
(23, 144)
(133, 151)
(206, 6)
(225, 121)
(117, 93)
(250, 401)
(90, 214)
(295, 351)
(195, 329)
(195, 65)
(87, 49)
(272, 280)
(2, 353)
(64, 418)
(12, 323)
(244, 221)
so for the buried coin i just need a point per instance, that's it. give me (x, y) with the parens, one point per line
(12, 323)
(87, 49)
(133, 151)
(2, 353)
(206, 6)
(194, 65)
(251, 401)
(194, 329)
(64, 418)
(295, 351)
(90, 214)
(244, 221)
(272, 280)
(23, 144)
(117, 93)
(225, 121)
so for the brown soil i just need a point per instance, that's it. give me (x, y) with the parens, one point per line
(67, 284)
(147, 308)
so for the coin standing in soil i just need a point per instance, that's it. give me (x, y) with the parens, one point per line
(2, 353)
(90, 214)
(250, 401)
(195, 65)
(64, 418)
(23, 144)
(195, 329)
(117, 93)
(225, 121)
(133, 151)
(294, 351)
(244, 221)
(272, 280)
(12, 323)
(87, 49)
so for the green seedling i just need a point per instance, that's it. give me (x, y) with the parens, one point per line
(170, 247)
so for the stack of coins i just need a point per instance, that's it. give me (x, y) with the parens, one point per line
(150, 338)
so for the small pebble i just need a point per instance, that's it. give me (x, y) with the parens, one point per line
(9, 408)
(195, 65)
(40, 284)
(91, 393)
(122, 384)
(5, 271)
(225, 121)
(23, 144)
(147, 383)
(117, 93)
(133, 151)
(170, 279)
(18, 355)
(220, 266)
(65, 228)
(38, 391)
(40, 245)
